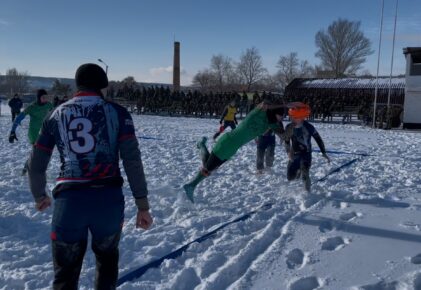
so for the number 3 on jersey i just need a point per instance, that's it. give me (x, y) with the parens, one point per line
(80, 139)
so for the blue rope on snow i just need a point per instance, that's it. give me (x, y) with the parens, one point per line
(137, 273)
(314, 150)
(342, 152)
(175, 254)
(149, 138)
(349, 163)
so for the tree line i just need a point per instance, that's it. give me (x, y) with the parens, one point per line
(342, 49)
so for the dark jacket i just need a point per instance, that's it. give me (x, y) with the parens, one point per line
(15, 104)
(91, 135)
(301, 138)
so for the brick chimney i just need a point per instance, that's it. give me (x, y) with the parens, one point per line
(176, 67)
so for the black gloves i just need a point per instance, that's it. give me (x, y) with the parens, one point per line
(12, 137)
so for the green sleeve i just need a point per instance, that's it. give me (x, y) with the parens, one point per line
(28, 110)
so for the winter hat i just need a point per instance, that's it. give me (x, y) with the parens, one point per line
(91, 76)
(40, 93)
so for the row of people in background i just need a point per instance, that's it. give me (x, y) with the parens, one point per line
(324, 107)
(160, 100)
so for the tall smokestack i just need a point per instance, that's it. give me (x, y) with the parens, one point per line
(176, 67)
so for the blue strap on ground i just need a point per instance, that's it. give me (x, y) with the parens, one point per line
(349, 163)
(175, 254)
(314, 150)
(342, 152)
(137, 273)
(149, 138)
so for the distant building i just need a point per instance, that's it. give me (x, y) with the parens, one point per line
(412, 107)
(348, 89)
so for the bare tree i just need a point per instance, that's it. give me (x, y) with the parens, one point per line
(60, 88)
(343, 47)
(129, 81)
(270, 83)
(223, 70)
(290, 67)
(251, 67)
(220, 76)
(306, 69)
(15, 81)
(204, 79)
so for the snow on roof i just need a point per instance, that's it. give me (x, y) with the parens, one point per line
(348, 83)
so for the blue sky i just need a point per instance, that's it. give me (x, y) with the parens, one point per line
(135, 37)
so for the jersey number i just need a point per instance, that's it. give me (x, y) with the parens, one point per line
(81, 141)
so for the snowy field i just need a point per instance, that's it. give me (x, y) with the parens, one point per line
(359, 229)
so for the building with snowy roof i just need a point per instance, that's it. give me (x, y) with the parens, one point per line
(351, 91)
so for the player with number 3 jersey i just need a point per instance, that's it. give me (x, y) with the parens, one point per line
(91, 134)
(87, 130)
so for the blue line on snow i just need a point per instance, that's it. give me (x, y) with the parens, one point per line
(337, 169)
(149, 138)
(314, 150)
(137, 273)
(342, 152)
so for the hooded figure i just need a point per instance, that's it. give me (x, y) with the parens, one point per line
(37, 112)
(40, 93)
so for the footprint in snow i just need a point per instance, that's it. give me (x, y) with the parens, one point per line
(416, 207)
(333, 244)
(340, 204)
(412, 226)
(348, 216)
(310, 200)
(308, 283)
(326, 226)
(187, 279)
(381, 286)
(295, 259)
(416, 260)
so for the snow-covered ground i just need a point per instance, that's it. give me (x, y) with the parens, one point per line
(359, 229)
(4, 108)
